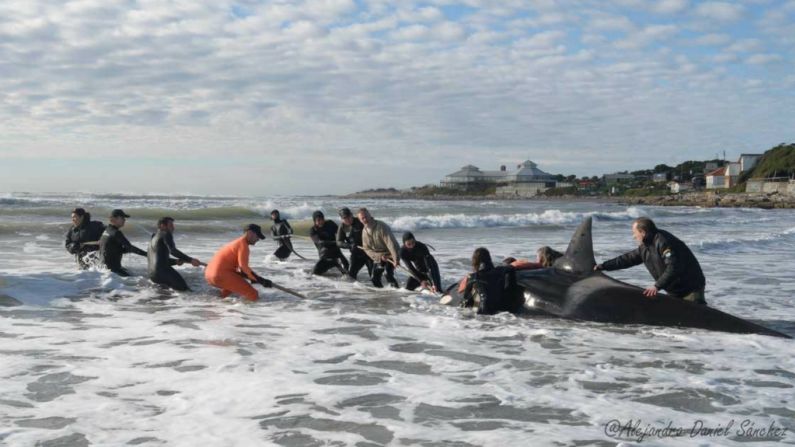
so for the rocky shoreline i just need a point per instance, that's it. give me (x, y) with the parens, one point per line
(713, 199)
(705, 199)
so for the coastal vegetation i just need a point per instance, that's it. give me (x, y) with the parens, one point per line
(777, 162)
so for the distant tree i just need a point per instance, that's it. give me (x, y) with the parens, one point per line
(662, 168)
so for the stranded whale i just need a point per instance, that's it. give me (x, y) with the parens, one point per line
(572, 290)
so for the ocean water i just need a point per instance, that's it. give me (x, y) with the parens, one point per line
(94, 359)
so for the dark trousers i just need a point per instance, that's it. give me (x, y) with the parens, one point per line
(121, 271)
(323, 265)
(283, 252)
(360, 259)
(169, 278)
(412, 284)
(695, 297)
(378, 271)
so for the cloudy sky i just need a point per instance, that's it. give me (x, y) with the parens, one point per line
(333, 96)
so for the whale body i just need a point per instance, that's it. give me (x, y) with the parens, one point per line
(571, 289)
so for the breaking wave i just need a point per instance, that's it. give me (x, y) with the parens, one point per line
(549, 217)
(735, 243)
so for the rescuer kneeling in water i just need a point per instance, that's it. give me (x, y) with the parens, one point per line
(228, 269)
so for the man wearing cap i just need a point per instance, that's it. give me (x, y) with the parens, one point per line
(228, 269)
(381, 246)
(281, 231)
(421, 263)
(161, 250)
(323, 234)
(349, 235)
(113, 244)
(83, 237)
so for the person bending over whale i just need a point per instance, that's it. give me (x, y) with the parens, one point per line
(673, 266)
(381, 246)
(324, 235)
(228, 269)
(161, 248)
(349, 235)
(421, 263)
(545, 258)
(83, 237)
(113, 244)
(281, 231)
(490, 289)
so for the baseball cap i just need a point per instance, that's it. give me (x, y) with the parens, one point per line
(256, 229)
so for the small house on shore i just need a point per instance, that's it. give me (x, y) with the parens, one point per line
(718, 179)
(680, 187)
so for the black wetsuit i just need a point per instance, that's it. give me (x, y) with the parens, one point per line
(112, 246)
(88, 231)
(279, 230)
(673, 266)
(161, 248)
(422, 264)
(493, 290)
(327, 249)
(350, 236)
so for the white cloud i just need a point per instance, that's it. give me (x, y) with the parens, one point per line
(611, 23)
(670, 6)
(713, 39)
(544, 39)
(304, 29)
(647, 36)
(411, 32)
(449, 31)
(720, 11)
(722, 58)
(745, 45)
(763, 59)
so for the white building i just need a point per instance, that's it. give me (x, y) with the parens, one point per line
(527, 180)
(748, 161)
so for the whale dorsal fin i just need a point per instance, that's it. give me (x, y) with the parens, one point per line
(579, 256)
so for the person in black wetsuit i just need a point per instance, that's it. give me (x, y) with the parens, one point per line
(421, 263)
(113, 244)
(161, 248)
(83, 237)
(349, 235)
(281, 231)
(323, 234)
(491, 289)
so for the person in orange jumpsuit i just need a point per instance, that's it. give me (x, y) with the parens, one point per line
(228, 269)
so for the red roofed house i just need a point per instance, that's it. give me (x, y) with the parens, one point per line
(724, 177)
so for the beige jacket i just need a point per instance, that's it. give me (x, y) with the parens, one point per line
(378, 240)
